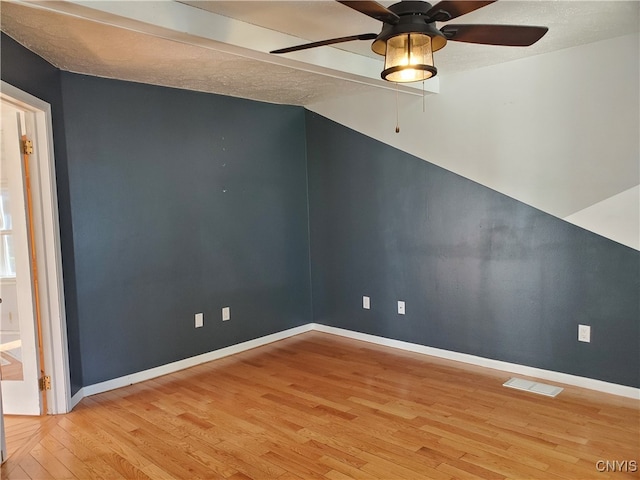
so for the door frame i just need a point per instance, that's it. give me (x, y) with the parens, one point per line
(48, 247)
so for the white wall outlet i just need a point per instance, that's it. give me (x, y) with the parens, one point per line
(199, 320)
(226, 314)
(400, 307)
(366, 302)
(584, 333)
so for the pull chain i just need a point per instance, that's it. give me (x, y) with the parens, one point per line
(397, 111)
(423, 98)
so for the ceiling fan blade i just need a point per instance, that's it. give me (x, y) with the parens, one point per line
(450, 9)
(321, 43)
(509, 35)
(373, 10)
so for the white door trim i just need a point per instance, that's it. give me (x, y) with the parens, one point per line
(48, 248)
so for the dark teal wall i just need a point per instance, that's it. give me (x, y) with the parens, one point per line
(171, 203)
(480, 273)
(182, 202)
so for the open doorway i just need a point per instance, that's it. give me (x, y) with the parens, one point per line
(31, 285)
(19, 352)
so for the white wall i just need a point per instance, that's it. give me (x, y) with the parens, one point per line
(558, 131)
(617, 216)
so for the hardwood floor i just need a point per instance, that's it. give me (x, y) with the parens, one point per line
(11, 368)
(321, 406)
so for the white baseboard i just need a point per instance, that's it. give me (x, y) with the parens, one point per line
(584, 382)
(186, 363)
(589, 383)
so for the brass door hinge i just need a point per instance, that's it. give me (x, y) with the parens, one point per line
(27, 147)
(44, 383)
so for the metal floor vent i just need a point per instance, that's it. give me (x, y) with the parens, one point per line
(534, 387)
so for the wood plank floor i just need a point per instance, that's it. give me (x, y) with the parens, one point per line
(321, 406)
(11, 368)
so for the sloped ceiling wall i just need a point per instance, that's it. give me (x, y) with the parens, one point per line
(558, 131)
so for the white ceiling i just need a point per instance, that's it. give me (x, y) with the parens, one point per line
(222, 46)
(570, 23)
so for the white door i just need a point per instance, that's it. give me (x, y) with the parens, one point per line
(3, 443)
(19, 365)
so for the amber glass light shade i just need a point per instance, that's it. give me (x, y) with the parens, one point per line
(408, 58)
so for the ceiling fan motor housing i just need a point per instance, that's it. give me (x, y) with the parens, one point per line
(413, 19)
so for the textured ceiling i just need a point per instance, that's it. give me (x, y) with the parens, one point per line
(93, 46)
(83, 46)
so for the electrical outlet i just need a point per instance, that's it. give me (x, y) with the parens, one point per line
(400, 307)
(226, 314)
(199, 320)
(584, 333)
(366, 303)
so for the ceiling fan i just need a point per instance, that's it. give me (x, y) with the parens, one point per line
(409, 35)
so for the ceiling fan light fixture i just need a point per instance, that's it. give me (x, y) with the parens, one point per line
(409, 34)
(408, 58)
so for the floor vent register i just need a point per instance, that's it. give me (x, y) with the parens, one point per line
(533, 387)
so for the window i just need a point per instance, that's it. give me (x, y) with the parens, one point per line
(7, 255)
